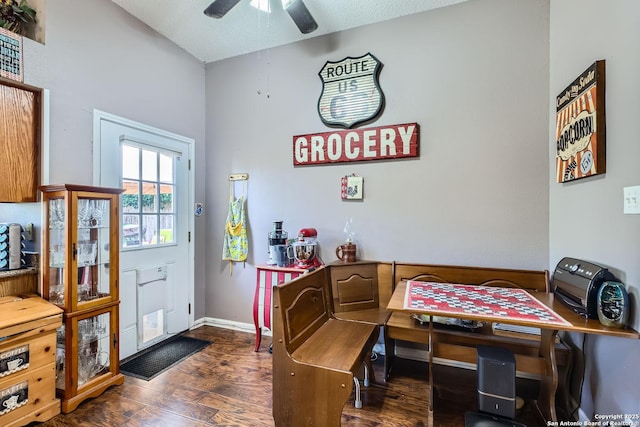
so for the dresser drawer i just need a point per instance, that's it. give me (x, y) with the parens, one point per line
(28, 395)
(27, 351)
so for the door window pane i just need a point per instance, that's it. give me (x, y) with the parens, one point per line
(130, 162)
(166, 228)
(148, 215)
(149, 165)
(130, 231)
(149, 230)
(166, 168)
(131, 196)
(149, 197)
(166, 198)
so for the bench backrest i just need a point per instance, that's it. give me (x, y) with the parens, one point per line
(354, 287)
(531, 280)
(303, 306)
(386, 285)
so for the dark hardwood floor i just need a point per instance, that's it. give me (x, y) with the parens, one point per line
(228, 384)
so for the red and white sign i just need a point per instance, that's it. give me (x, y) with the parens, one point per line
(357, 145)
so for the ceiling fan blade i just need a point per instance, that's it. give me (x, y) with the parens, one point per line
(219, 8)
(301, 16)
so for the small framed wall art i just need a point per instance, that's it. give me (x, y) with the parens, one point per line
(351, 187)
(580, 126)
(11, 55)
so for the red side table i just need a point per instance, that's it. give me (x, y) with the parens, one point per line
(268, 277)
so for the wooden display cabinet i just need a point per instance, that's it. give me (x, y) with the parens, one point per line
(80, 275)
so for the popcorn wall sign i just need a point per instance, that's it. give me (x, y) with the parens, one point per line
(580, 126)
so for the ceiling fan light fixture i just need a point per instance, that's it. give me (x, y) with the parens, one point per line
(295, 8)
(219, 8)
(300, 15)
(262, 5)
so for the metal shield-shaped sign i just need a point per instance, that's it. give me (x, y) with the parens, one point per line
(351, 93)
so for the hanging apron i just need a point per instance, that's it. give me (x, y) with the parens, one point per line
(235, 246)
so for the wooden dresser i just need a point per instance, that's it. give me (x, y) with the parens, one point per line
(28, 359)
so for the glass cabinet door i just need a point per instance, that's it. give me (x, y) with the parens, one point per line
(94, 351)
(56, 211)
(90, 355)
(61, 357)
(90, 250)
(79, 237)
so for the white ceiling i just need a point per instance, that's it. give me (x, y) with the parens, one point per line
(245, 29)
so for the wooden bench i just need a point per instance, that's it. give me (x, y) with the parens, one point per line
(316, 357)
(361, 291)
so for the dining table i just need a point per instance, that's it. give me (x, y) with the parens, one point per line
(514, 306)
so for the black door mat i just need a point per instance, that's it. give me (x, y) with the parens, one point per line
(155, 360)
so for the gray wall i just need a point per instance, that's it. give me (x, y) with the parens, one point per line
(480, 78)
(99, 57)
(586, 218)
(473, 75)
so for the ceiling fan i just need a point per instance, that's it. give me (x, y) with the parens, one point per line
(295, 8)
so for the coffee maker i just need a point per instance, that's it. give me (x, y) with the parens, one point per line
(277, 237)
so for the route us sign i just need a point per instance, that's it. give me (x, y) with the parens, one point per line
(351, 92)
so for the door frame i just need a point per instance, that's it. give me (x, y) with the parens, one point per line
(100, 116)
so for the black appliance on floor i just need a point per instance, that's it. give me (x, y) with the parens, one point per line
(496, 389)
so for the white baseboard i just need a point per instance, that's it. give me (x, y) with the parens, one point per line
(412, 353)
(228, 324)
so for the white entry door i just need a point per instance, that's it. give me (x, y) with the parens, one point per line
(156, 249)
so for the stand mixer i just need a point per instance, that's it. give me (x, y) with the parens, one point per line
(305, 249)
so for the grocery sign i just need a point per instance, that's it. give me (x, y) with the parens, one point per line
(356, 145)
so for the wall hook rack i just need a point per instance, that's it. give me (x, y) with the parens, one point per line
(238, 177)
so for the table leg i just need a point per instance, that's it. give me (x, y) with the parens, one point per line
(548, 382)
(256, 314)
(258, 338)
(430, 407)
